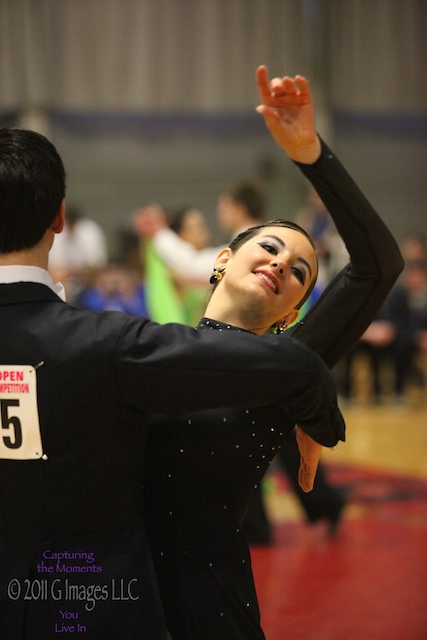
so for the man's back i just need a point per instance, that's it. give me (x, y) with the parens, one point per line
(81, 497)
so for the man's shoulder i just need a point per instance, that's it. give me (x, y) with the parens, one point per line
(50, 309)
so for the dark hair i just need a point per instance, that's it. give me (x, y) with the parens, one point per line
(32, 187)
(250, 195)
(246, 235)
(178, 218)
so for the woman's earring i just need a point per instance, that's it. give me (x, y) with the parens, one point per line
(281, 326)
(217, 274)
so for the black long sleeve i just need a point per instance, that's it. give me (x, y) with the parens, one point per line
(350, 302)
(197, 370)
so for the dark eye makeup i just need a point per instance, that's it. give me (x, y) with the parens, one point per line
(269, 247)
(300, 274)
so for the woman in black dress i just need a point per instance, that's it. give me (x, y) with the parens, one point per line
(203, 468)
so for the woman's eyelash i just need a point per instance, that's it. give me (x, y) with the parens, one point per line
(299, 274)
(269, 247)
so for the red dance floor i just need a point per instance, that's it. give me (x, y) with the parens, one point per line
(368, 582)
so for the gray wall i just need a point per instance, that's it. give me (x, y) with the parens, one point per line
(178, 163)
(148, 101)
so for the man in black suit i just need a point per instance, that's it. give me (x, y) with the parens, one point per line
(76, 390)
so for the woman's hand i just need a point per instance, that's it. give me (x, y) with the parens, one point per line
(309, 461)
(287, 107)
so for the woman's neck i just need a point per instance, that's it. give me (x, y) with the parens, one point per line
(232, 314)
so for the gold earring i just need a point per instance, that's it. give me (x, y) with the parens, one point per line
(217, 274)
(281, 326)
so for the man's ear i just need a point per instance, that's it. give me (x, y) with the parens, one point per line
(58, 224)
(223, 257)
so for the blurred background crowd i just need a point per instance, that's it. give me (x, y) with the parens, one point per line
(164, 272)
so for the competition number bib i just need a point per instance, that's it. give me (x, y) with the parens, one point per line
(20, 437)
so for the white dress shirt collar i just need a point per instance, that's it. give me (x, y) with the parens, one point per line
(25, 273)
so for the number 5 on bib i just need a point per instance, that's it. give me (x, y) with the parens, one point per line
(20, 437)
